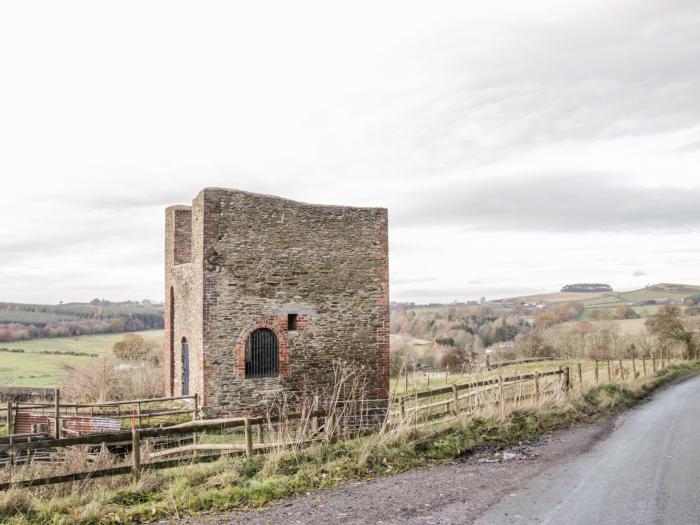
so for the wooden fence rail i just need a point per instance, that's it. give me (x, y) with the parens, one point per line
(57, 412)
(523, 361)
(330, 429)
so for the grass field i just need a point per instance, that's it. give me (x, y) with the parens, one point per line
(625, 326)
(419, 381)
(558, 297)
(44, 370)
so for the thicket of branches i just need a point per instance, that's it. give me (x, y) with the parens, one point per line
(458, 336)
(458, 326)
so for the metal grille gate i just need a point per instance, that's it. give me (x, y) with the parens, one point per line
(262, 354)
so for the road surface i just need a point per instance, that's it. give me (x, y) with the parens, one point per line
(646, 472)
(642, 467)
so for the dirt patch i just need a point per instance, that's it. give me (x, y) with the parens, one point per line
(460, 490)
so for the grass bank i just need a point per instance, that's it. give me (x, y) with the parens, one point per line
(237, 482)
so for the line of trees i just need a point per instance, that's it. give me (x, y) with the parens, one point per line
(587, 288)
(30, 321)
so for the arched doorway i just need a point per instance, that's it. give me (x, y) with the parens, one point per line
(185, 367)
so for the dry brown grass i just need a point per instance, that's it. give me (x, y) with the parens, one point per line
(108, 379)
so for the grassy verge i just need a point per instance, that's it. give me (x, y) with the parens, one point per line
(237, 482)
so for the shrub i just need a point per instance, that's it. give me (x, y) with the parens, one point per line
(133, 347)
(109, 379)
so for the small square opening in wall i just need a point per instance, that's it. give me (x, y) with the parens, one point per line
(291, 322)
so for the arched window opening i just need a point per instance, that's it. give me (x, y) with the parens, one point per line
(262, 354)
(185, 367)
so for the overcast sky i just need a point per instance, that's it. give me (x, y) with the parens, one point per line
(519, 146)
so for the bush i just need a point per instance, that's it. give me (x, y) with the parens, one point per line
(454, 358)
(109, 379)
(134, 347)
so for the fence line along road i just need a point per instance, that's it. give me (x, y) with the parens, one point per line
(313, 424)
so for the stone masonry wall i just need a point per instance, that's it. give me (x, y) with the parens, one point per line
(265, 257)
(182, 314)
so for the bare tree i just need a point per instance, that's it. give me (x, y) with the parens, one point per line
(670, 328)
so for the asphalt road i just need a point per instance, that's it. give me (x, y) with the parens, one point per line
(646, 472)
(642, 467)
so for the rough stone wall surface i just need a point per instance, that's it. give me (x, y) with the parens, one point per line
(182, 247)
(255, 260)
(182, 315)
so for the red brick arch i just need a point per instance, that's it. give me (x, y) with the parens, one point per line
(279, 326)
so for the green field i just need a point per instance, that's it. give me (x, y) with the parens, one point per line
(43, 370)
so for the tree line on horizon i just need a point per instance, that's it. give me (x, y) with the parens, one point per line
(587, 288)
(20, 322)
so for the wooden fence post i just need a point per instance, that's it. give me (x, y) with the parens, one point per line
(653, 363)
(135, 454)
(537, 387)
(455, 396)
(402, 408)
(634, 368)
(567, 380)
(328, 426)
(580, 374)
(644, 365)
(10, 419)
(561, 378)
(596, 371)
(57, 411)
(248, 438)
(622, 370)
(195, 414)
(447, 372)
(501, 399)
(609, 374)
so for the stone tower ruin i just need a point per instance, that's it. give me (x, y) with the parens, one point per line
(264, 295)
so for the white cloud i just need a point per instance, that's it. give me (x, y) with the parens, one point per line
(448, 113)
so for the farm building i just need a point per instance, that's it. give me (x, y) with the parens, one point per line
(265, 295)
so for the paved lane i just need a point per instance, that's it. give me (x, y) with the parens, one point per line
(646, 472)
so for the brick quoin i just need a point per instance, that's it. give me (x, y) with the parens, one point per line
(237, 261)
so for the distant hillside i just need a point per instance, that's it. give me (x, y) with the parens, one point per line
(29, 321)
(683, 289)
(645, 298)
